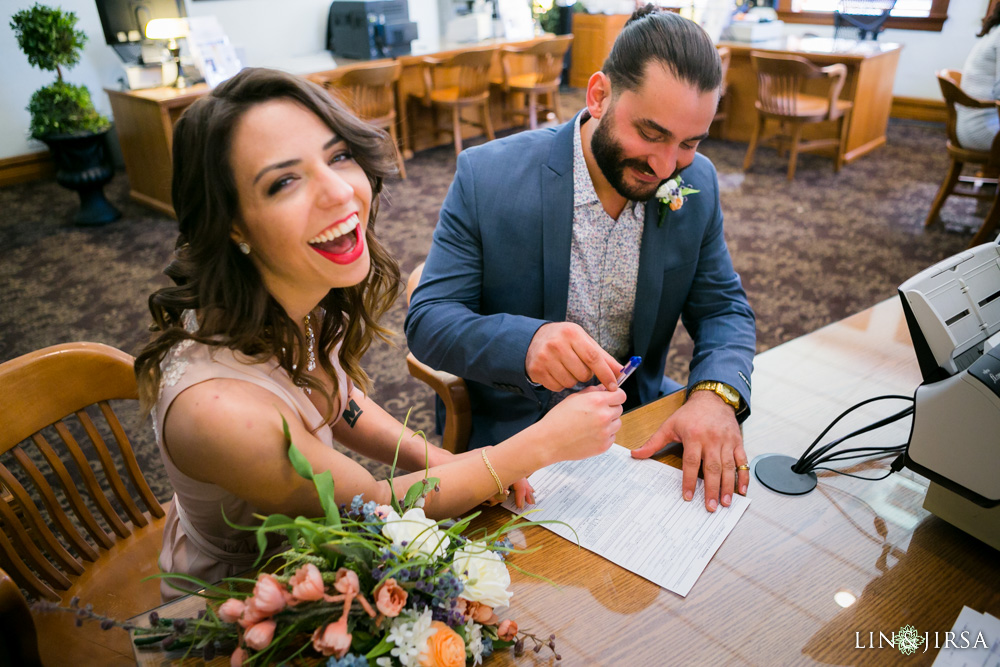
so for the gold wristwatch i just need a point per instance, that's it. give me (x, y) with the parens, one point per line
(723, 390)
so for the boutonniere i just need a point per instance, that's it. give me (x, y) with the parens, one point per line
(672, 195)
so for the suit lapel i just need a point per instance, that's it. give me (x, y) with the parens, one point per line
(649, 286)
(557, 223)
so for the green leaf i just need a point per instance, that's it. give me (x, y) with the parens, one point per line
(381, 648)
(324, 486)
(299, 461)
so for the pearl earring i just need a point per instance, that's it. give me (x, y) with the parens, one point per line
(244, 247)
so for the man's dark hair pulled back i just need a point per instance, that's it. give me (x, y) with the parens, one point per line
(673, 41)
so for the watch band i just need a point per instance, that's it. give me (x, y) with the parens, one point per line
(720, 389)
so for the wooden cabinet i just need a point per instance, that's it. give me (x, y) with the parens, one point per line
(144, 120)
(593, 36)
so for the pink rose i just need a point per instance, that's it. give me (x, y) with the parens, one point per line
(477, 611)
(231, 610)
(307, 583)
(390, 598)
(252, 614)
(507, 630)
(270, 594)
(237, 658)
(260, 635)
(333, 640)
(347, 582)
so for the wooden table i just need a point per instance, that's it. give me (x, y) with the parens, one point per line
(871, 72)
(144, 120)
(768, 595)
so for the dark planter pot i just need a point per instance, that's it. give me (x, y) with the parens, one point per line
(83, 164)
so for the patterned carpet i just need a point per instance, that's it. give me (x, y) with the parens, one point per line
(810, 252)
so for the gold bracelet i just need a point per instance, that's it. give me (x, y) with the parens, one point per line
(496, 478)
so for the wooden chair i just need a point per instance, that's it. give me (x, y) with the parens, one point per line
(722, 112)
(950, 81)
(544, 65)
(370, 92)
(48, 402)
(451, 389)
(780, 97)
(455, 83)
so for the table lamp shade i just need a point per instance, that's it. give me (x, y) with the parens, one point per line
(166, 29)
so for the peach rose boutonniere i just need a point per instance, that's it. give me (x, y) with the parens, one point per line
(672, 195)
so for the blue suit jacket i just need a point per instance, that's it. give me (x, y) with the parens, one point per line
(498, 269)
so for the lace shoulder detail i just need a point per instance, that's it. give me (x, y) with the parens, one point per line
(174, 365)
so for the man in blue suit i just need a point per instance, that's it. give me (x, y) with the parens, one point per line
(553, 260)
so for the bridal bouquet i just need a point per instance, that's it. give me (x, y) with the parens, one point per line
(364, 585)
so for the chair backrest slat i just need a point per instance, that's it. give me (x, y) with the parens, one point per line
(473, 71)
(139, 482)
(110, 471)
(33, 525)
(369, 90)
(59, 517)
(80, 509)
(93, 488)
(20, 550)
(780, 79)
(13, 563)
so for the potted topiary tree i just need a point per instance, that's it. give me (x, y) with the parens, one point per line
(63, 115)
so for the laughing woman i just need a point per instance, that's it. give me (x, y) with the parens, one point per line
(280, 282)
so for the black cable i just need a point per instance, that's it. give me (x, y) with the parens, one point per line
(807, 458)
(848, 474)
(818, 456)
(810, 458)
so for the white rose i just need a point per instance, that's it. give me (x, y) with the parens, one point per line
(417, 532)
(667, 190)
(484, 574)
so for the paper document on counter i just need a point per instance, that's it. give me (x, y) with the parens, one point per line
(631, 512)
(974, 641)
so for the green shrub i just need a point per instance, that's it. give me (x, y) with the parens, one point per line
(62, 108)
(51, 41)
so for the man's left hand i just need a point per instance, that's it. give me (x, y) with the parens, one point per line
(707, 427)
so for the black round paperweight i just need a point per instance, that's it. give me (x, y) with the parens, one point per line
(775, 472)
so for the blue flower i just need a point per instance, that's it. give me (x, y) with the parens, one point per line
(349, 660)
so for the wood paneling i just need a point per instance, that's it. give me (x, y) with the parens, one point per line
(25, 168)
(919, 108)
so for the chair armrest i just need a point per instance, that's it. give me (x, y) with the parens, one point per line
(837, 71)
(455, 395)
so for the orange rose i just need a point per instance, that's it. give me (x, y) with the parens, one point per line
(444, 648)
(507, 630)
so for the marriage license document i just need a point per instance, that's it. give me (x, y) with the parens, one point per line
(631, 512)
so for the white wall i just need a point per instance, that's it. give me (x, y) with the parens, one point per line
(291, 34)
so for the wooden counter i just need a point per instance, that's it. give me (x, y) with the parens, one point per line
(871, 72)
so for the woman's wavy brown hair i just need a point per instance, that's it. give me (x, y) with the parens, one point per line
(215, 279)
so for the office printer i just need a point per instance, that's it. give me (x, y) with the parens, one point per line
(953, 313)
(370, 29)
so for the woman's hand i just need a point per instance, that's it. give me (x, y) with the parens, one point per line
(524, 492)
(584, 424)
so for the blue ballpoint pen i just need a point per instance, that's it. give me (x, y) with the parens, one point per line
(628, 369)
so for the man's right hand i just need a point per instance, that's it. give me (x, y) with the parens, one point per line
(562, 354)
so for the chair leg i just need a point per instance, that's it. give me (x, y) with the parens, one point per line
(533, 110)
(399, 151)
(487, 121)
(554, 95)
(794, 157)
(987, 232)
(456, 125)
(954, 171)
(754, 138)
(436, 119)
(842, 145)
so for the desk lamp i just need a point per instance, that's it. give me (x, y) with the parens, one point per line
(170, 30)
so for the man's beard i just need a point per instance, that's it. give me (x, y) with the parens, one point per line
(611, 160)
